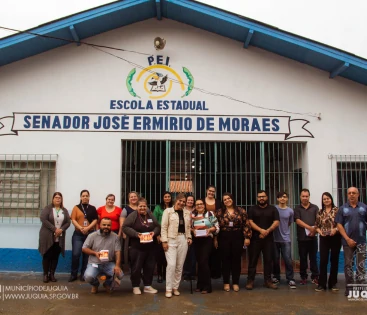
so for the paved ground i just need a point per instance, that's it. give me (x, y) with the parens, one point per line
(303, 300)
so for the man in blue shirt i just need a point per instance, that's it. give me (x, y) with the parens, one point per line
(282, 241)
(351, 220)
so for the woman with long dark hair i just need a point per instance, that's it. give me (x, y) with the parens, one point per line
(235, 233)
(330, 242)
(205, 225)
(55, 221)
(160, 257)
(84, 217)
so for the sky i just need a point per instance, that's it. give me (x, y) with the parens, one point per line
(336, 23)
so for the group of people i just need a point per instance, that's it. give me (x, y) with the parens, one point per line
(210, 235)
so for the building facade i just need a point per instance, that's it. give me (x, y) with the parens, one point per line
(203, 110)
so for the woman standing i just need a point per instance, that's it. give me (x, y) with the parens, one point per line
(111, 211)
(330, 242)
(55, 221)
(133, 198)
(175, 237)
(84, 217)
(213, 205)
(160, 256)
(205, 225)
(235, 233)
(189, 269)
(136, 226)
(132, 206)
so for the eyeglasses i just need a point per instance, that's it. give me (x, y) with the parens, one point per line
(199, 204)
(212, 191)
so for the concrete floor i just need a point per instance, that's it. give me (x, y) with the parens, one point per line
(303, 300)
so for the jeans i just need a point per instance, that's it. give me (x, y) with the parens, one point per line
(77, 242)
(93, 270)
(256, 247)
(285, 250)
(308, 248)
(330, 244)
(360, 252)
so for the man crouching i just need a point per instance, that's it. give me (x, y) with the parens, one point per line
(103, 248)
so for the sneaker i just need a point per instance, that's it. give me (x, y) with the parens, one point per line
(275, 280)
(176, 292)
(168, 294)
(303, 282)
(334, 288)
(292, 284)
(315, 281)
(136, 290)
(319, 288)
(150, 290)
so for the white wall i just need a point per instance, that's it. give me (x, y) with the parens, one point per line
(74, 79)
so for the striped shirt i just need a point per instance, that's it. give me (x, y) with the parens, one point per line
(202, 222)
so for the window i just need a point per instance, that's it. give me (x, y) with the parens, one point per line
(27, 183)
(351, 170)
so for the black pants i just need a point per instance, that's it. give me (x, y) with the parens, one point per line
(264, 246)
(308, 248)
(203, 248)
(330, 244)
(215, 263)
(161, 261)
(231, 246)
(51, 258)
(189, 268)
(142, 259)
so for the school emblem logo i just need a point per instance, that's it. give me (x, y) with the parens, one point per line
(158, 80)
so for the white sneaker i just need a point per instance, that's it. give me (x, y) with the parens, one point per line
(150, 290)
(168, 294)
(136, 290)
(176, 292)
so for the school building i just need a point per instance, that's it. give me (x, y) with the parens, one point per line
(224, 100)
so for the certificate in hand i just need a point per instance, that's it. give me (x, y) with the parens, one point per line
(147, 238)
(200, 233)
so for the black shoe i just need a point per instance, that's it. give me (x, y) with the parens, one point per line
(72, 278)
(319, 288)
(45, 278)
(52, 277)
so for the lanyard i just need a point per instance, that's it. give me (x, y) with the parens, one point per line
(57, 212)
(85, 213)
